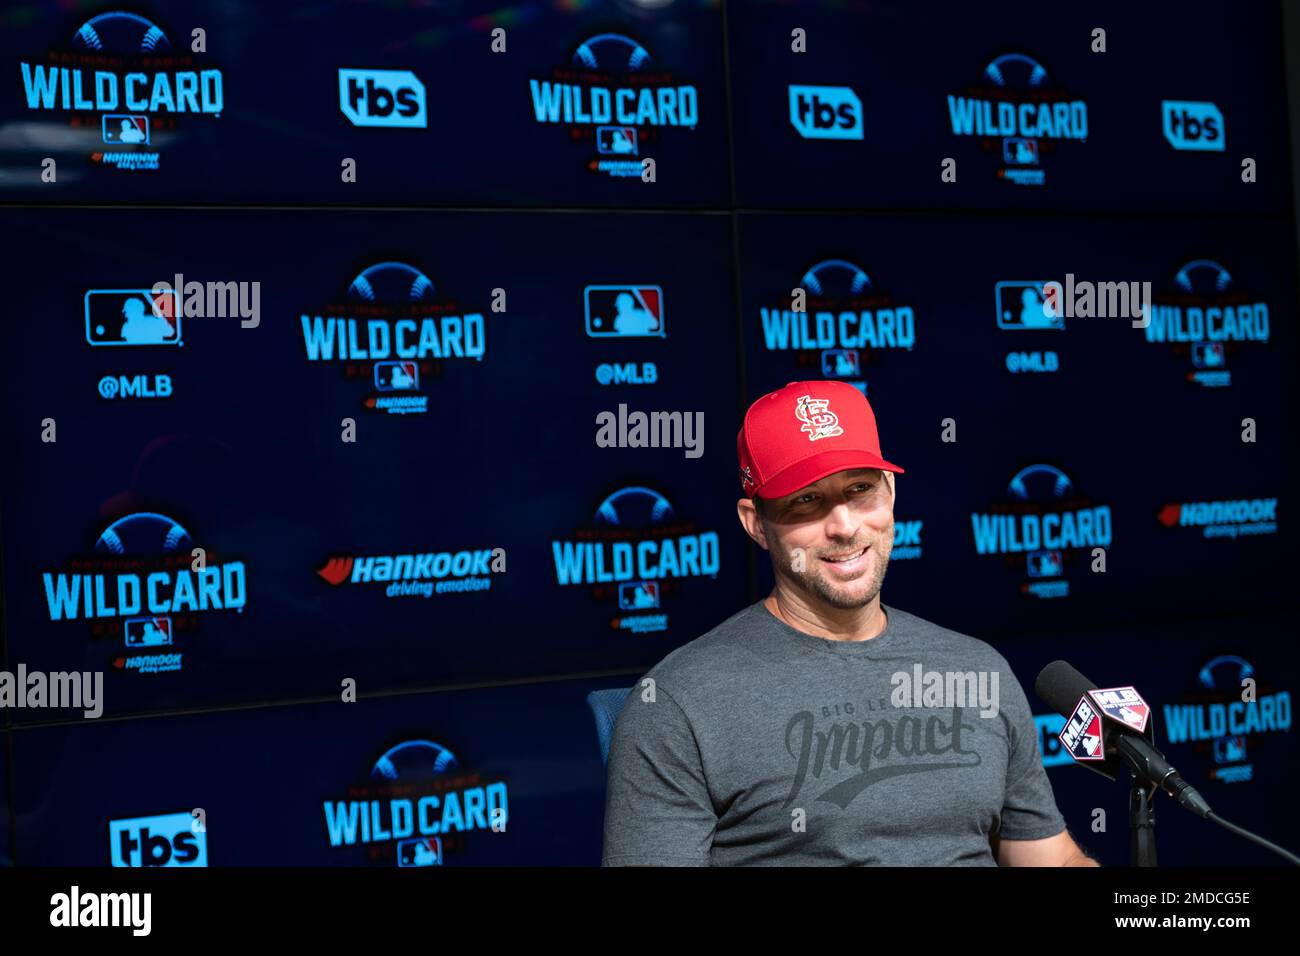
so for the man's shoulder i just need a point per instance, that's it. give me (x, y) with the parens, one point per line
(719, 653)
(927, 636)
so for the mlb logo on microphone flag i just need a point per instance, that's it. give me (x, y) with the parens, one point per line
(1123, 704)
(1081, 735)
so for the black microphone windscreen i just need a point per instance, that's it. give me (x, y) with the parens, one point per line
(1060, 686)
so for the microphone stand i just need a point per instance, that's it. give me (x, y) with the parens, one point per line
(1141, 823)
(1143, 762)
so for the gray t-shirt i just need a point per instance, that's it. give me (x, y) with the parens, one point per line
(765, 745)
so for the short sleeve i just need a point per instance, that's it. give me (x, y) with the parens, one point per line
(1029, 810)
(657, 806)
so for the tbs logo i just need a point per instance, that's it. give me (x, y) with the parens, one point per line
(826, 112)
(1191, 125)
(382, 98)
(1049, 744)
(172, 839)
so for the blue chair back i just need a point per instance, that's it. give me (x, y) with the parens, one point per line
(606, 705)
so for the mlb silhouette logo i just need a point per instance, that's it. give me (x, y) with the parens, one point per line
(1044, 564)
(148, 631)
(1208, 355)
(118, 128)
(624, 311)
(840, 363)
(132, 317)
(1019, 151)
(616, 140)
(422, 852)
(1229, 749)
(638, 595)
(397, 376)
(1022, 305)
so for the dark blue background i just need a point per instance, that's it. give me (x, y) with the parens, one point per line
(904, 59)
(256, 470)
(281, 136)
(246, 453)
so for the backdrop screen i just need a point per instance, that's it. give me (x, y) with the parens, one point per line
(331, 330)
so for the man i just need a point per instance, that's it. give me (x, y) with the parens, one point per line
(789, 734)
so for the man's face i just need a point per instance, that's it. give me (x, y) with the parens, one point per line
(833, 538)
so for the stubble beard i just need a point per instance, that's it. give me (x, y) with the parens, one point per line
(846, 597)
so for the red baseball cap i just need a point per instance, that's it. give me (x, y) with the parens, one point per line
(801, 433)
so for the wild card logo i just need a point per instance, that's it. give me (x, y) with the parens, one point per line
(146, 583)
(857, 754)
(635, 551)
(418, 575)
(1017, 113)
(416, 804)
(393, 331)
(616, 100)
(837, 322)
(124, 84)
(1042, 526)
(1229, 712)
(1206, 319)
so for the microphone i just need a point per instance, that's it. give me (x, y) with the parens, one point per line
(1103, 725)
(1062, 688)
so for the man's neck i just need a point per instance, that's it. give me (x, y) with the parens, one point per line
(832, 623)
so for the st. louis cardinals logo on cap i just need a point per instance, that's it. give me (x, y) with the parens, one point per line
(818, 420)
(776, 459)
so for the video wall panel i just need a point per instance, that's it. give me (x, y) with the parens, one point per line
(1138, 107)
(373, 374)
(362, 103)
(1126, 414)
(420, 454)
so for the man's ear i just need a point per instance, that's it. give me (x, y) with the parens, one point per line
(751, 522)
